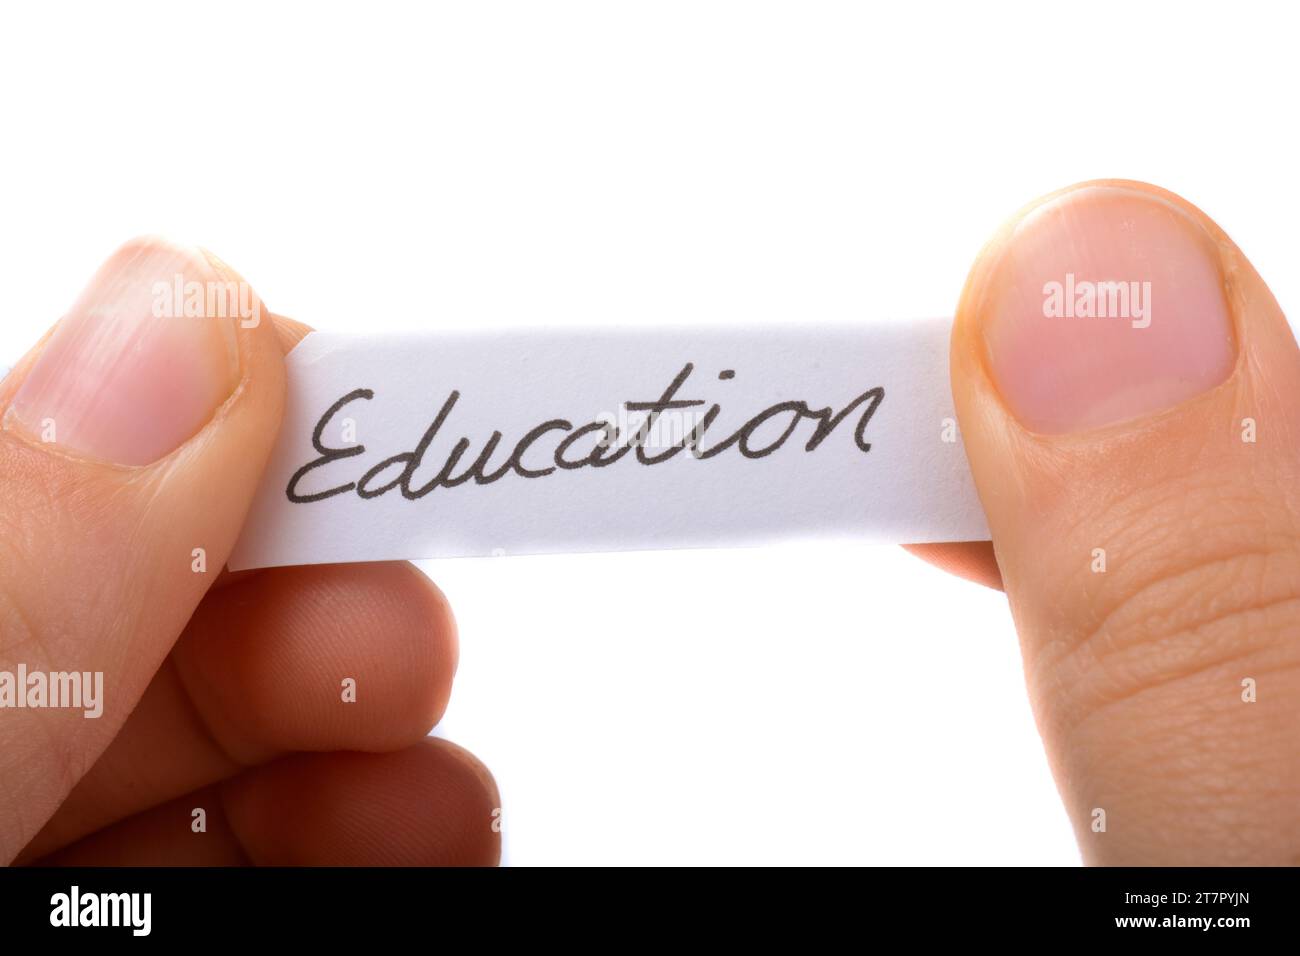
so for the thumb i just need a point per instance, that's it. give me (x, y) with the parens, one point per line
(133, 437)
(1129, 396)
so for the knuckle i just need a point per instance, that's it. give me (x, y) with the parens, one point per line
(1202, 581)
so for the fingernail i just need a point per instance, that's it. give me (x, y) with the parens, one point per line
(140, 362)
(1106, 304)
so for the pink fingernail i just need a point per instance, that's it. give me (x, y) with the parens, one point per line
(140, 363)
(1107, 304)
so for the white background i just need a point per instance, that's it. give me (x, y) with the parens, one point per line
(375, 166)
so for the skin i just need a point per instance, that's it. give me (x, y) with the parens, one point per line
(240, 715)
(1135, 675)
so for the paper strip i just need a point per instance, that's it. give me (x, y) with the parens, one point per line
(511, 443)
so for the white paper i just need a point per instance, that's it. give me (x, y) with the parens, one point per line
(912, 485)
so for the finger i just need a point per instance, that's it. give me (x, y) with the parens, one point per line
(133, 439)
(972, 560)
(1136, 457)
(333, 657)
(432, 804)
(288, 332)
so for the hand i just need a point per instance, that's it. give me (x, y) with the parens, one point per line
(1140, 475)
(133, 438)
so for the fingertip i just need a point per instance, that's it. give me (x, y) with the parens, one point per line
(427, 805)
(970, 560)
(322, 657)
